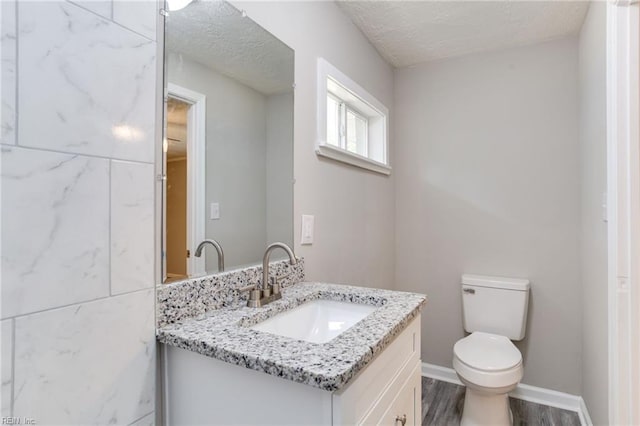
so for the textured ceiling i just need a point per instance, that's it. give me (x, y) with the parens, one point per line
(411, 32)
(215, 34)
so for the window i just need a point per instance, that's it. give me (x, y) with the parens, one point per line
(352, 124)
(346, 128)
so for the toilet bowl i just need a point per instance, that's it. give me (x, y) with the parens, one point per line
(494, 311)
(490, 366)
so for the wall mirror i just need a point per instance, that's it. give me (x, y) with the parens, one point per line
(228, 145)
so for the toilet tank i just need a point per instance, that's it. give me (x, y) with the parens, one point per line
(495, 305)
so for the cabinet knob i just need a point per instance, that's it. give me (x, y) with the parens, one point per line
(401, 419)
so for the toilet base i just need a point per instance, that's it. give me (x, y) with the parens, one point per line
(484, 409)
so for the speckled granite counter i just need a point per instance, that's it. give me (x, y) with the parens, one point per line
(194, 297)
(224, 334)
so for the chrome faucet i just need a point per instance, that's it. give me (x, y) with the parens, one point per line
(218, 248)
(270, 291)
(266, 285)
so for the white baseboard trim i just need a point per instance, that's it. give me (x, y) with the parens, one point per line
(440, 373)
(525, 392)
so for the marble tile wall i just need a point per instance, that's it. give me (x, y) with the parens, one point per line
(6, 333)
(87, 364)
(77, 329)
(89, 85)
(8, 80)
(132, 245)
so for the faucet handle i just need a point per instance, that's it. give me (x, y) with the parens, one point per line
(254, 291)
(255, 294)
(283, 277)
(249, 287)
(275, 288)
(276, 282)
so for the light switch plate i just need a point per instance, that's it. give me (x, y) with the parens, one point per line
(215, 211)
(307, 229)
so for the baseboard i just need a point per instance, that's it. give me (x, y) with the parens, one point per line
(440, 373)
(525, 392)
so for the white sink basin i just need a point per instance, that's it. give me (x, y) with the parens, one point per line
(317, 321)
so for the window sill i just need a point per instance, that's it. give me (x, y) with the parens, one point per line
(353, 159)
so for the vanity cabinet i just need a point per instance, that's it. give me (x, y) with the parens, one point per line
(386, 387)
(203, 390)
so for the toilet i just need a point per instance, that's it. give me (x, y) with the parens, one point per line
(486, 361)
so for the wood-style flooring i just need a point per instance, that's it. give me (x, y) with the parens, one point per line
(442, 404)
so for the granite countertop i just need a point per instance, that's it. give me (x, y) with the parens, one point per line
(224, 334)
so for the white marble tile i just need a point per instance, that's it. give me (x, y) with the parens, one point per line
(6, 338)
(101, 7)
(55, 236)
(148, 420)
(87, 85)
(92, 363)
(132, 226)
(8, 71)
(138, 15)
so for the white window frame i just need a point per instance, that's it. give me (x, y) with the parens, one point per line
(342, 140)
(325, 71)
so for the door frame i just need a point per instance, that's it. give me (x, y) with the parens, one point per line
(196, 172)
(623, 200)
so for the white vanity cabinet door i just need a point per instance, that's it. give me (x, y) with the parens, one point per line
(401, 399)
(405, 410)
(369, 395)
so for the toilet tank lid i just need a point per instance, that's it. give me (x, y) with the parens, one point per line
(520, 284)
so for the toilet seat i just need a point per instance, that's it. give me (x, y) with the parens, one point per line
(487, 360)
(487, 352)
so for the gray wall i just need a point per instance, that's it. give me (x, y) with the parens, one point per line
(488, 182)
(235, 160)
(354, 209)
(78, 329)
(593, 145)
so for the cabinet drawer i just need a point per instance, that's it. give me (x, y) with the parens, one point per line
(401, 404)
(352, 403)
